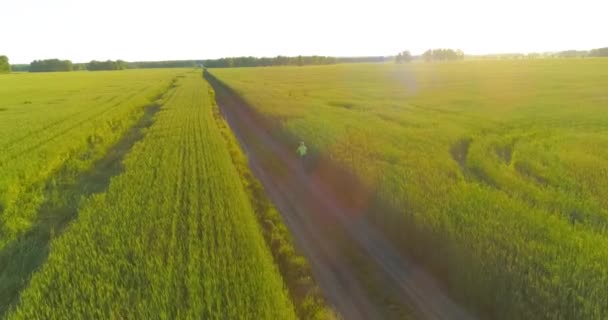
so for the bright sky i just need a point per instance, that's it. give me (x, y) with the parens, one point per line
(82, 30)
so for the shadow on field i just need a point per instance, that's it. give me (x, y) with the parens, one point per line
(333, 218)
(20, 258)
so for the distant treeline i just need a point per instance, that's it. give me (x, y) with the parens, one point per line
(442, 55)
(106, 65)
(362, 59)
(164, 64)
(4, 65)
(430, 55)
(51, 65)
(600, 52)
(235, 62)
(404, 56)
(20, 67)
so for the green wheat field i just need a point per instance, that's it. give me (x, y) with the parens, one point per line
(124, 194)
(500, 166)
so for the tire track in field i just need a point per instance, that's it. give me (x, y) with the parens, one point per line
(57, 125)
(326, 229)
(21, 257)
(49, 127)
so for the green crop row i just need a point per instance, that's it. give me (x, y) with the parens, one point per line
(495, 171)
(53, 127)
(174, 236)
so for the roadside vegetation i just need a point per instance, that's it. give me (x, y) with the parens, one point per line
(491, 173)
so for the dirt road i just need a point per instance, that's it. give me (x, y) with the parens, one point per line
(361, 274)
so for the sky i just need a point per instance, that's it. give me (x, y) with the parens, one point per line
(133, 30)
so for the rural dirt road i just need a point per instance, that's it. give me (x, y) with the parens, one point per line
(361, 274)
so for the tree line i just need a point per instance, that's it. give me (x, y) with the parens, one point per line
(361, 59)
(594, 53)
(235, 62)
(51, 65)
(5, 67)
(442, 55)
(600, 52)
(430, 55)
(54, 65)
(164, 64)
(404, 56)
(106, 65)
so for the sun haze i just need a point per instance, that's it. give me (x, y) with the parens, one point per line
(189, 29)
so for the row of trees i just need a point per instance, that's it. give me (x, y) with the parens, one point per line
(51, 65)
(449, 54)
(63, 65)
(442, 55)
(4, 65)
(20, 67)
(431, 55)
(404, 56)
(600, 52)
(361, 59)
(164, 64)
(106, 65)
(234, 62)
